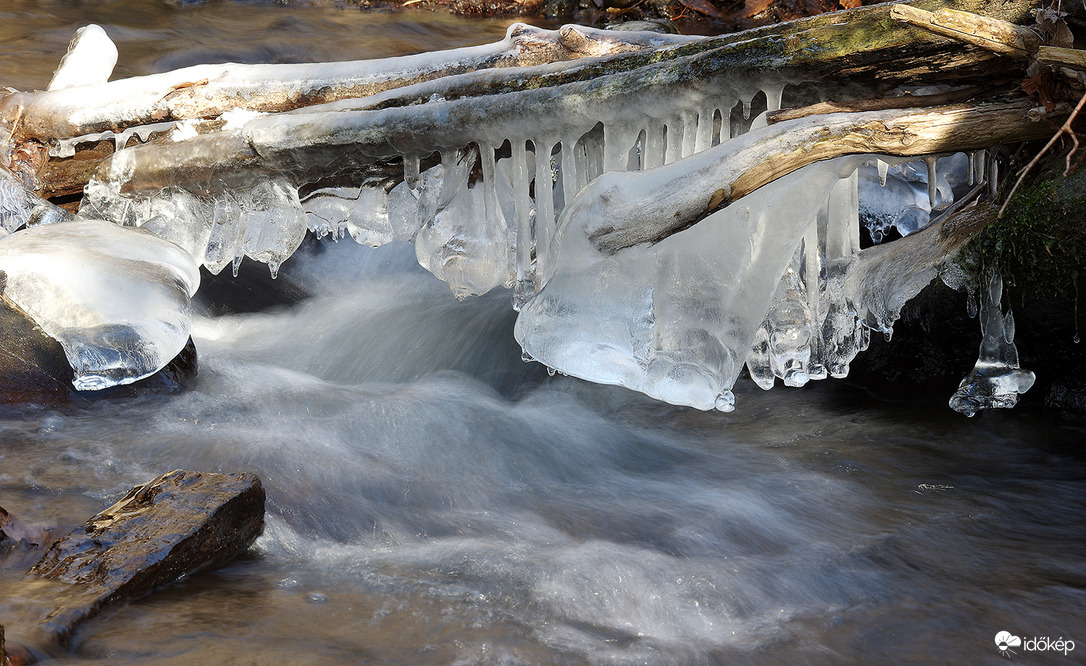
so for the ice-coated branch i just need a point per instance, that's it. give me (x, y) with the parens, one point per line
(620, 210)
(204, 91)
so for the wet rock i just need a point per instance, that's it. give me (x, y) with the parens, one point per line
(175, 525)
(33, 367)
(15, 536)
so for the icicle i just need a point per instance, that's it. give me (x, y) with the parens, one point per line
(980, 166)
(580, 164)
(720, 126)
(569, 172)
(758, 360)
(654, 144)
(811, 279)
(66, 147)
(236, 265)
(883, 167)
(673, 141)
(617, 143)
(972, 168)
(933, 179)
(544, 199)
(993, 176)
(525, 286)
(704, 135)
(689, 121)
(725, 402)
(490, 185)
(996, 380)
(411, 172)
(773, 95)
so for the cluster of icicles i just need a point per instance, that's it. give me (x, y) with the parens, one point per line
(759, 283)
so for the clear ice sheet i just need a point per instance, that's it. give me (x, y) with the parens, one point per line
(117, 299)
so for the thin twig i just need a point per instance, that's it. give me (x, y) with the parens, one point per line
(1064, 129)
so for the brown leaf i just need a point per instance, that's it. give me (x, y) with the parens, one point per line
(1040, 86)
(754, 7)
(702, 7)
(850, 4)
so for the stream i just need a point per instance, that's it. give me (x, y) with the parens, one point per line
(432, 499)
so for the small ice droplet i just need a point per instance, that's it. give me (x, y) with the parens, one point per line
(316, 598)
(551, 371)
(236, 265)
(273, 267)
(525, 356)
(1077, 339)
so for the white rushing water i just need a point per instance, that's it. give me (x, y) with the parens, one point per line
(434, 500)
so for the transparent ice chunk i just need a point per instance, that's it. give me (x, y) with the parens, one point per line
(996, 380)
(117, 299)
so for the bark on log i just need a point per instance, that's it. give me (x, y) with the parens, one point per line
(170, 527)
(994, 35)
(624, 209)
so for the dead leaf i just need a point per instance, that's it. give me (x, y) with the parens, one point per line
(702, 7)
(752, 8)
(1040, 86)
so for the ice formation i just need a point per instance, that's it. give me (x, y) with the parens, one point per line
(996, 380)
(90, 60)
(116, 299)
(492, 196)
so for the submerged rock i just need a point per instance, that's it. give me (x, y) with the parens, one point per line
(33, 367)
(16, 536)
(173, 526)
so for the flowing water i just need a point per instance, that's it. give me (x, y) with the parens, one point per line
(432, 499)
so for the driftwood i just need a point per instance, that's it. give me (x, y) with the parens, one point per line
(851, 55)
(168, 528)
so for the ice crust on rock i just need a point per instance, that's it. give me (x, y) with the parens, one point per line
(996, 380)
(116, 299)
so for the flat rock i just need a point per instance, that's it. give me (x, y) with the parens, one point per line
(174, 525)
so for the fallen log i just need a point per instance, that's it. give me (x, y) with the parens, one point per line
(620, 210)
(171, 527)
(207, 91)
(855, 54)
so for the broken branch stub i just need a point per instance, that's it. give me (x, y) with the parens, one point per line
(172, 526)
